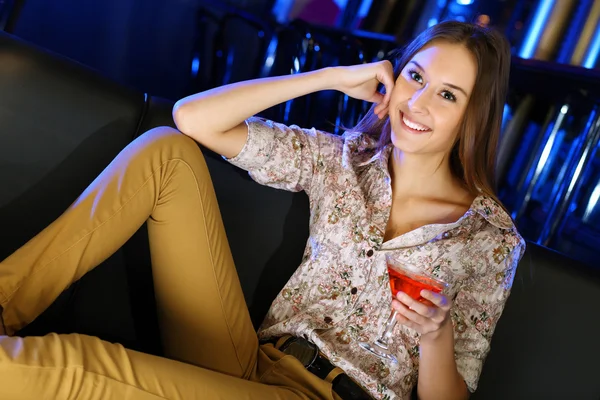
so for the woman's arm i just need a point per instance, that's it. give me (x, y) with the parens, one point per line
(439, 378)
(207, 116)
(477, 307)
(215, 118)
(438, 375)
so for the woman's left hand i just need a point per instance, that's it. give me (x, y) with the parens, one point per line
(425, 319)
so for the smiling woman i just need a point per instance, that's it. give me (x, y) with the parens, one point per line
(427, 103)
(414, 179)
(468, 67)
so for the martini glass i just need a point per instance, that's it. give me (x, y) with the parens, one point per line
(409, 280)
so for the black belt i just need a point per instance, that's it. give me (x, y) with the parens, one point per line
(315, 362)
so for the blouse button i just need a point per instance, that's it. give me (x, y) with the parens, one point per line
(354, 290)
(328, 320)
(370, 253)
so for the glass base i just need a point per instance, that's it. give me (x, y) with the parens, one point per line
(380, 350)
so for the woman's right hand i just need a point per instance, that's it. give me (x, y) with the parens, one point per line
(361, 82)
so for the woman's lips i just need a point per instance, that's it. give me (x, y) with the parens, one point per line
(415, 128)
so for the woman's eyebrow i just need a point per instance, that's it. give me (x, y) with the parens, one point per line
(445, 83)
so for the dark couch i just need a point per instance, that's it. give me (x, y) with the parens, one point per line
(61, 124)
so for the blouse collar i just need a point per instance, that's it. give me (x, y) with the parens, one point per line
(360, 151)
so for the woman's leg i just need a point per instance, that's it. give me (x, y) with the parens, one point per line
(162, 177)
(202, 311)
(69, 367)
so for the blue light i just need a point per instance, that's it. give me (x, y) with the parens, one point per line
(271, 55)
(281, 10)
(533, 36)
(545, 155)
(506, 116)
(465, 2)
(364, 8)
(432, 22)
(195, 66)
(593, 50)
(589, 209)
(550, 144)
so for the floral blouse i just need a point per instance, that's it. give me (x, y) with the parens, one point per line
(340, 293)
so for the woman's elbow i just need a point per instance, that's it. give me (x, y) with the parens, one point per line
(181, 117)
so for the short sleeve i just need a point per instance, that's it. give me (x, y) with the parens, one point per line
(284, 157)
(480, 302)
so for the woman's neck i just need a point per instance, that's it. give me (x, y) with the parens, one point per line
(427, 175)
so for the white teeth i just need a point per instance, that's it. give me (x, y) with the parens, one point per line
(414, 125)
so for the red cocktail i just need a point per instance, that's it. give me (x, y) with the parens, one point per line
(405, 279)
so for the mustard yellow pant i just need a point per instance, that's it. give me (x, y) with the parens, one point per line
(212, 348)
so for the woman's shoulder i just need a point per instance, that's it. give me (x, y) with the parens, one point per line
(359, 142)
(493, 212)
(500, 227)
(293, 137)
(355, 144)
(359, 148)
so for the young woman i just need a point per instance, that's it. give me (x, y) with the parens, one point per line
(414, 180)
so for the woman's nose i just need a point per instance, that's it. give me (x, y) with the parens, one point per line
(418, 101)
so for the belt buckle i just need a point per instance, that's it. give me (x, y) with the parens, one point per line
(303, 350)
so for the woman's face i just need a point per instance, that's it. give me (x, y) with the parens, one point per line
(430, 97)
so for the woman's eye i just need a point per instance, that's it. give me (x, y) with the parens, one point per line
(416, 76)
(448, 95)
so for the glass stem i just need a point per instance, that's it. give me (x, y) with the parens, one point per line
(382, 341)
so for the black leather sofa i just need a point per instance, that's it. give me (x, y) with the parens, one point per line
(61, 124)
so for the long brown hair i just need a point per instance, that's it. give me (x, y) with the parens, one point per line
(473, 156)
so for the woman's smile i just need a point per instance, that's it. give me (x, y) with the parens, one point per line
(413, 126)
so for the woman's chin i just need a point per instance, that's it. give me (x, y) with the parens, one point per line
(404, 142)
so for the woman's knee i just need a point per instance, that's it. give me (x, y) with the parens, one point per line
(168, 134)
(165, 136)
